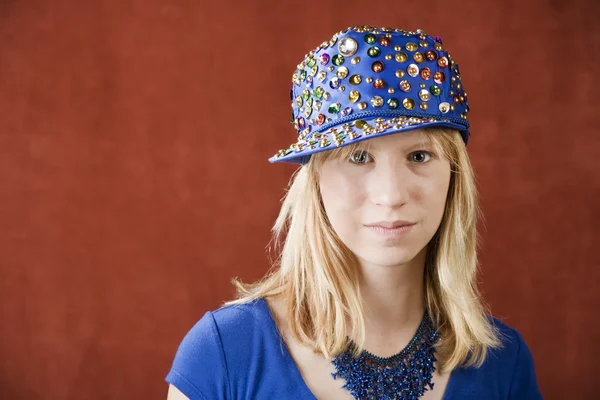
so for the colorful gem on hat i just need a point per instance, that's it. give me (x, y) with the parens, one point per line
(404, 86)
(410, 46)
(377, 66)
(326, 96)
(360, 124)
(324, 59)
(378, 84)
(305, 94)
(299, 101)
(355, 79)
(393, 103)
(313, 71)
(303, 75)
(342, 72)
(384, 41)
(317, 105)
(418, 57)
(376, 101)
(370, 38)
(401, 57)
(409, 104)
(319, 92)
(425, 73)
(435, 90)
(322, 76)
(334, 108)
(444, 107)
(355, 60)
(311, 62)
(307, 112)
(424, 95)
(354, 96)
(337, 60)
(369, 80)
(412, 70)
(423, 43)
(439, 77)
(347, 111)
(399, 74)
(347, 46)
(334, 83)
(374, 51)
(320, 119)
(438, 46)
(438, 39)
(362, 105)
(442, 62)
(431, 55)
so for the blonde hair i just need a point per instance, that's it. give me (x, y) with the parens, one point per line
(318, 274)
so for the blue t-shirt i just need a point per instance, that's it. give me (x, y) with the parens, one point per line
(236, 352)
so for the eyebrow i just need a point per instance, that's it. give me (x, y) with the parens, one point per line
(422, 144)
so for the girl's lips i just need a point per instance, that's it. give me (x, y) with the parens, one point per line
(392, 233)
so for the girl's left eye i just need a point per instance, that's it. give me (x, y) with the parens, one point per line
(420, 156)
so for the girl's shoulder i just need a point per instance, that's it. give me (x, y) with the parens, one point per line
(507, 372)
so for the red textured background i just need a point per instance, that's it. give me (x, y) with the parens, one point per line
(134, 182)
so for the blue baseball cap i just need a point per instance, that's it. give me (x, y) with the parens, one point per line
(369, 82)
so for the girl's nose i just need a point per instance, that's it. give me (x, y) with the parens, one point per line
(390, 185)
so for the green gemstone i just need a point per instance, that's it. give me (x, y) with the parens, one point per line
(393, 103)
(334, 108)
(311, 62)
(319, 92)
(309, 102)
(435, 90)
(303, 75)
(305, 94)
(337, 60)
(370, 38)
(374, 51)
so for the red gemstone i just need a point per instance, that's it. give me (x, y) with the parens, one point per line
(426, 73)
(377, 66)
(384, 41)
(431, 55)
(439, 77)
(320, 119)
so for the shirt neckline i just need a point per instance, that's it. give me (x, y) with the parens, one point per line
(300, 379)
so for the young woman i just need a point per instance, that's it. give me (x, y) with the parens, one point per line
(373, 295)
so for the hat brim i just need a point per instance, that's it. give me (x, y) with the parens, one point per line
(300, 152)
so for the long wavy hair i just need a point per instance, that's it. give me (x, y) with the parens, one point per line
(318, 273)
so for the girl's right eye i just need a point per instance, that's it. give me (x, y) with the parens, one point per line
(360, 157)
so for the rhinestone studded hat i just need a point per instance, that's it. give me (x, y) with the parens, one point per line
(369, 82)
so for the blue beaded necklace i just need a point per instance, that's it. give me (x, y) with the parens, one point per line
(404, 376)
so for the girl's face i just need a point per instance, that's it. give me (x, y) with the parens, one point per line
(388, 182)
